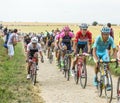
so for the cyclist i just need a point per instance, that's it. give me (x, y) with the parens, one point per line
(100, 50)
(66, 38)
(57, 51)
(32, 48)
(83, 41)
(50, 43)
(27, 41)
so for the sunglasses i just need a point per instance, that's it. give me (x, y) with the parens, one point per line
(105, 33)
(84, 29)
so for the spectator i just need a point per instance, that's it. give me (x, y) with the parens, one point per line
(12, 41)
(112, 35)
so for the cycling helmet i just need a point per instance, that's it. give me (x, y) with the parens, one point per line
(34, 40)
(83, 26)
(66, 28)
(105, 30)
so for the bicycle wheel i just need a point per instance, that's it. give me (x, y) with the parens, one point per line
(31, 73)
(34, 75)
(65, 67)
(68, 68)
(100, 83)
(83, 76)
(76, 74)
(118, 89)
(50, 58)
(108, 93)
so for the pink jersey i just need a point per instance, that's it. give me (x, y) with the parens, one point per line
(63, 34)
(57, 37)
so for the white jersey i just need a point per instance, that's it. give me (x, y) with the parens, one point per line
(37, 48)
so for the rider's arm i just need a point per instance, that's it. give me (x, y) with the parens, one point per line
(89, 42)
(89, 47)
(60, 43)
(56, 43)
(28, 52)
(41, 54)
(94, 54)
(114, 53)
(40, 50)
(46, 41)
(75, 42)
(114, 48)
(74, 46)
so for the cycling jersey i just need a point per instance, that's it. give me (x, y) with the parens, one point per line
(66, 39)
(101, 47)
(57, 37)
(83, 40)
(70, 34)
(32, 50)
(80, 39)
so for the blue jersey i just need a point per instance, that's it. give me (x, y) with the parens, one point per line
(101, 46)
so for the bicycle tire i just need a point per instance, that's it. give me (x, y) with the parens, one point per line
(51, 58)
(109, 98)
(68, 68)
(75, 75)
(31, 73)
(83, 76)
(118, 89)
(100, 82)
(65, 67)
(34, 75)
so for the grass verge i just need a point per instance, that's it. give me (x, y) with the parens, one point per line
(14, 87)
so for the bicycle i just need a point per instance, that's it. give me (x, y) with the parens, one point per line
(105, 79)
(33, 69)
(80, 70)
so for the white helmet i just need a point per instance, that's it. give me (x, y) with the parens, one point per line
(34, 40)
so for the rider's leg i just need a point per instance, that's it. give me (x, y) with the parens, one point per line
(96, 69)
(28, 69)
(106, 58)
(48, 52)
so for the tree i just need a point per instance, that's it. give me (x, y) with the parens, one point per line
(95, 23)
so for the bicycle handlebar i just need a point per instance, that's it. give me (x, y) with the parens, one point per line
(83, 54)
(111, 61)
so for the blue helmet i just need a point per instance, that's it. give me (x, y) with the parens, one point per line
(83, 26)
(105, 29)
